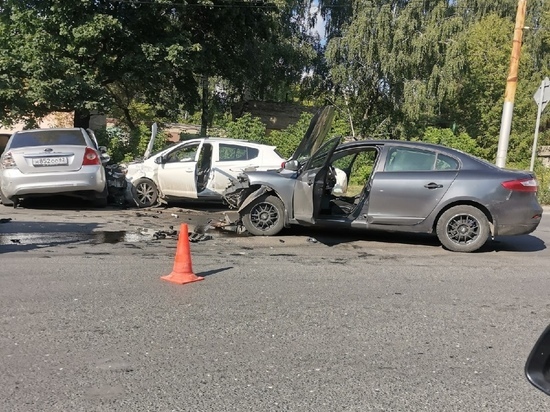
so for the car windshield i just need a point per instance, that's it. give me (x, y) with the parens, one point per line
(48, 138)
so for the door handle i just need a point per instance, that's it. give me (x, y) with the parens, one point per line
(433, 186)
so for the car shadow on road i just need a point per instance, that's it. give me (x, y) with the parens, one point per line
(22, 236)
(526, 243)
(331, 237)
(62, 203)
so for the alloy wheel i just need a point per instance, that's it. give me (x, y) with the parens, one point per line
(463, 229)
(264, 216)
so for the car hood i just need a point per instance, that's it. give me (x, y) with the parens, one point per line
(267, 176)
(154, 130)
(315, 135)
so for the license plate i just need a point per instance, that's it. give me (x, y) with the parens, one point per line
(50, 161)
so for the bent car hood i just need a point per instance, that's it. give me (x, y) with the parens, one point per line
(315, 135)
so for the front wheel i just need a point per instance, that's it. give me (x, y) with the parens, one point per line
(463, 229)
(264, 216)
(145, 193)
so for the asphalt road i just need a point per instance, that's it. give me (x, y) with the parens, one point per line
(305, 321)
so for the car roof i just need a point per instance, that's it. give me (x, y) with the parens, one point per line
(224, 140)
(47, 129)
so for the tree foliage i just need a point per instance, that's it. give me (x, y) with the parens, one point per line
(106, 54)
(401, 67)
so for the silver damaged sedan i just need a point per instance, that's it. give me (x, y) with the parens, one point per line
(387, 185)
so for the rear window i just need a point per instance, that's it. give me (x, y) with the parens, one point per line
(48, 138)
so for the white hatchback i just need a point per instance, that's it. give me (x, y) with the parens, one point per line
(196, 169)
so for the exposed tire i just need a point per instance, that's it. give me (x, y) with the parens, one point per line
(5, 200)
(463, 228)
(102, 199)
(145, 193)
(264, 216)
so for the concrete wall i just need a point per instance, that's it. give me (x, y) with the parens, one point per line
(58, 119)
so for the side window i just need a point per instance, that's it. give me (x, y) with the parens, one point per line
(409, 160)
(234, 153)
(445, 163)
(185, 153)
(353, 171)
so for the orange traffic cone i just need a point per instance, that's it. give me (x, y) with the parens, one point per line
(183, 270)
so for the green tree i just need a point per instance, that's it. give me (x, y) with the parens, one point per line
(98, 55)
(400, 64)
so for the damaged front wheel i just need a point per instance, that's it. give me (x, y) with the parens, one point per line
(145, 193)
(264, 216)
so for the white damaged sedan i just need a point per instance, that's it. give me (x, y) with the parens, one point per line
(196, 169)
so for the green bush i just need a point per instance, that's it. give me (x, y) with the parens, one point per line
(246, 127)
(287, 140)
(446, 137)
(543, 178)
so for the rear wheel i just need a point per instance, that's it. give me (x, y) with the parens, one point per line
(463, 229)
(101, 200)
(145, 193)
(5, 200)
(264, 216)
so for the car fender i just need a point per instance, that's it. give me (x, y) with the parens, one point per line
(258, 193)
(438, 211)
(254, 195)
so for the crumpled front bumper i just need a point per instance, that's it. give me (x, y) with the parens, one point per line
(237, 191)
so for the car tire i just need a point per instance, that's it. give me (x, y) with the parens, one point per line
(102, 200)
(145, 193)
(264, 216)
(463, 228)
(5, 200)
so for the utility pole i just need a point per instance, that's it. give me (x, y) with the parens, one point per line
(511, 84)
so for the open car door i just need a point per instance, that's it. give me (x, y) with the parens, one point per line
(311, 183)
(177, 172)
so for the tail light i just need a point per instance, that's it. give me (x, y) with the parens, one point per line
(283, 164)
(91, 157)
(8, 161)
(521, 185)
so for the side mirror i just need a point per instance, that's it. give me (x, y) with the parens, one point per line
(102, 149)
(292, 165)
(160, 160)
(537, 368)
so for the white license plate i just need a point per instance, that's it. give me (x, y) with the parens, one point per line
(50, 161)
